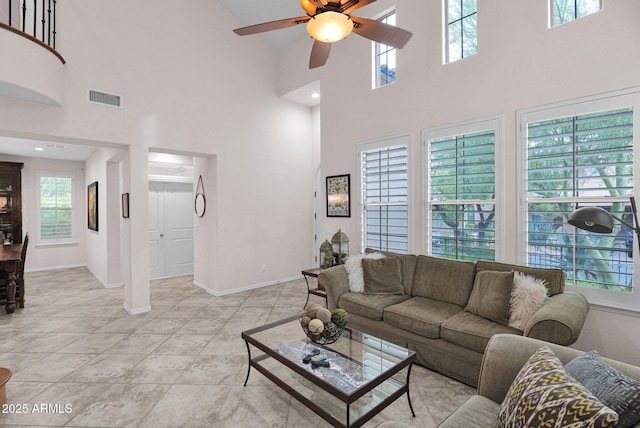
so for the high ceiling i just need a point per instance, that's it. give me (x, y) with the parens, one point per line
(258, 11)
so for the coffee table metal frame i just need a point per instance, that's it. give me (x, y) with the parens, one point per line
(346, 398)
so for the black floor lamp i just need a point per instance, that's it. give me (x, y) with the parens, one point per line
(599, 220)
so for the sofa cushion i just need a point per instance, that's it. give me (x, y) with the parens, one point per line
(555, 278)
(471, 331)
(369, 305)
(477, 411)
(407, 266)
(382, 276)
(491, 295)
(420, 315)
(617, 391)
(353, 265)
(443, 279)
(544, 394)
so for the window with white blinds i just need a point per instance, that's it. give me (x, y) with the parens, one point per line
(572, 162)
(384, 199)
(461, 201)
(55, 219)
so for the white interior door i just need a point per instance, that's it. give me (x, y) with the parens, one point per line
(170, 229)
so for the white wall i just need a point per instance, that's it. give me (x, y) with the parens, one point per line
(191, 86)
(51, 257)
(521, 64)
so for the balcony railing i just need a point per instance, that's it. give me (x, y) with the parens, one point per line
(33, 19)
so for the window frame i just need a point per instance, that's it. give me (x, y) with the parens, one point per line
(608, 299)
(495, 123)
(400, 140)
(446, 36)
(376, 55)
(40, 241)
(552, 21)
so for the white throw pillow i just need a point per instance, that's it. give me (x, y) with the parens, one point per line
(527, 296)
(353, 265)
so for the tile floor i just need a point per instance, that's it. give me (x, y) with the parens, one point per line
(79, 360)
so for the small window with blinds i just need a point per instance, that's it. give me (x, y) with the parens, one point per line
(573, 162)
(55, 219)
(384, 199)
(461, 204)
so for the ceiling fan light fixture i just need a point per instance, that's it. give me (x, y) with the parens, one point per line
(329, 26)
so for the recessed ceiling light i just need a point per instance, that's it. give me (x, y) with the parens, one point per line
(39, 149)
(315, 95)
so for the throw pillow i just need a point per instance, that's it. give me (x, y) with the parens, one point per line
(382, 276)
(528, 295)
(621, 393)
(543, 394)
(490, 295)
(353, 265)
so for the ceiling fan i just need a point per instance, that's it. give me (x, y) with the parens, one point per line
(328, 22)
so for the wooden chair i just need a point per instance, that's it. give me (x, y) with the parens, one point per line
(20, 273)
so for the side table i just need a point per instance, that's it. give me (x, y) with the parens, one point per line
(318, 291)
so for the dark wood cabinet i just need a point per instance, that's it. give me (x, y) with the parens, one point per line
(11, 202)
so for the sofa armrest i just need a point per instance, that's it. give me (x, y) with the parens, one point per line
(560, 319)
(335, 281)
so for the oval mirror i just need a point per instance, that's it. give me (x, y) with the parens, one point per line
(200, 204)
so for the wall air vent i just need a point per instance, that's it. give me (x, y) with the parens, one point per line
(104, 98)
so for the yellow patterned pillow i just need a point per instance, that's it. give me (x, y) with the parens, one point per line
(545, 395)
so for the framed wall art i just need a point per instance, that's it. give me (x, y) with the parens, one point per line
(92, 205)
(339, 196)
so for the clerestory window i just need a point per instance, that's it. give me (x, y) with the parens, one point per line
(385, 58)
(462, 29)
(563, 11)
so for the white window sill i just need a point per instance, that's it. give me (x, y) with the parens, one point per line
(57, 244)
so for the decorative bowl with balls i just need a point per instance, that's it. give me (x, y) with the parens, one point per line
(323, 326)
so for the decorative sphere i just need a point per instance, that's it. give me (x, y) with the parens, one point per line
(316, 326)
(340, 317)
(304, 321)
(324, 315)
(312, 310)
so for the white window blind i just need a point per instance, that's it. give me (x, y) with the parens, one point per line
(576, 161)
(55, 208)
(384, 199)
(461, 203)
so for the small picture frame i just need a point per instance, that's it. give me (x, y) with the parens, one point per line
(92, 206)
(125, 205)
(339, 196)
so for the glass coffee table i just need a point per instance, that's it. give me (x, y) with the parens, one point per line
(358, 383)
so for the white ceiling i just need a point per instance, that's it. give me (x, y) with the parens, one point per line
(27, 148)
(252, 12)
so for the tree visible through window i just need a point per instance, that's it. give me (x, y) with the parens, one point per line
(55, 208)
(462, 29)
(462, 196)
(563, 11)
(385, 58)
(576, 161)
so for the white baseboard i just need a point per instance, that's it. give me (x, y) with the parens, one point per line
(245, 288)
(104, 283)
(40, 269)
(138, 311)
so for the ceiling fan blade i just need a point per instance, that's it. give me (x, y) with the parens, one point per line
(270, 26)
(380, 32)
(349, 6)
(319, 54)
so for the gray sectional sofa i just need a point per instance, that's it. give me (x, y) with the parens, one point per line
(436, 312)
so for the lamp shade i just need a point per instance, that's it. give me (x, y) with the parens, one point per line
(593, 219)
(329, 26)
